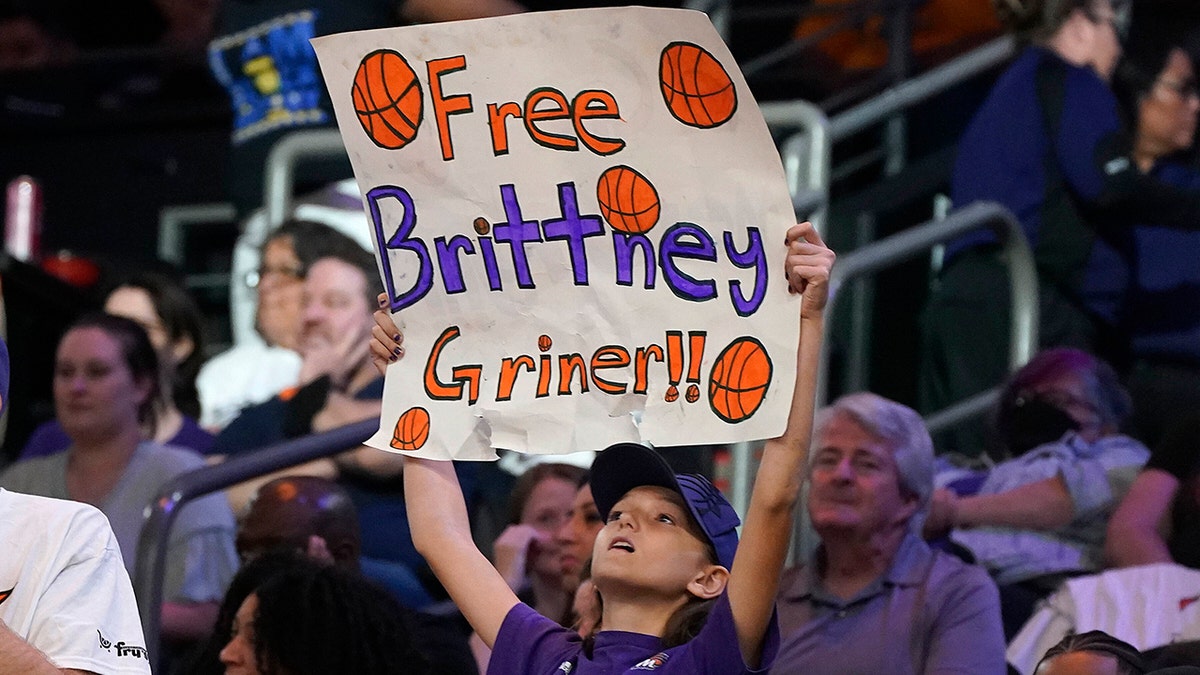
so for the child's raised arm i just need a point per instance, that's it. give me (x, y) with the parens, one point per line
(754, 578)
(437, 516)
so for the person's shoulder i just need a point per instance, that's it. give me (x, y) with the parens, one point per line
(952, 575)
(33, 468)
(170, 459)
(52, 516)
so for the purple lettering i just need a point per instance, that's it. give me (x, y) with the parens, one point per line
(400, 241)
(754, 257)
(573, 228)
(690, 242)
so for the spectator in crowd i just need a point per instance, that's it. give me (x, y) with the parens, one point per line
(871, 477)
(1048, 143)
(1091, 653)
(1041, 515)
(69, 606)
(526, 553)
(172, 320)
(314, 517)
(318, 619)
(1150, 606)
(255, 570)
(577, 535)
(338, 386)
(664, 563)
(1156, 84)
(106, 383)
(255, 370)
(1158, 521)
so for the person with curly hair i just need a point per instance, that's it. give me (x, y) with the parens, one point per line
(314, 619)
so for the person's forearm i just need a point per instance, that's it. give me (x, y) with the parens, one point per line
(1140, 527)
(1128, 547)
(18, 657)
(188, 621)
(1044, 505)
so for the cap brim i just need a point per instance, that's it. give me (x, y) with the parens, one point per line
(621, 467)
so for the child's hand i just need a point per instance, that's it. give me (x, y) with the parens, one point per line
(808, 266)
(387, 342)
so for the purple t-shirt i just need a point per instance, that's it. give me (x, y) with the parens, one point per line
(531, 644)
(50, 438)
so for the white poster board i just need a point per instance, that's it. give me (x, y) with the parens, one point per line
(579, 218)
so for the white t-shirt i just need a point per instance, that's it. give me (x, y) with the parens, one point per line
(63, 586)
(242, 376)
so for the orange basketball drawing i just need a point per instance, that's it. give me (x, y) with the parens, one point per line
(412, 430)
(544, 343)
(387, 98)
(693, 393)
(628, 200)
(739, 380)
(695, 86)
(672, 394)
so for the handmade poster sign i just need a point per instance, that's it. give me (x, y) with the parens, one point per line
(579, 218)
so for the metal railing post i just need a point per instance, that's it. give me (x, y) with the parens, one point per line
(1016, 255)
(280, 172)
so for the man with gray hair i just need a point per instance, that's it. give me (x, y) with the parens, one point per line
(874, 598)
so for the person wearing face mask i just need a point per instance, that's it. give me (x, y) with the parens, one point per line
(1041, 515)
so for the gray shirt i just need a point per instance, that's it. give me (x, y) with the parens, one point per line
(928, 613)
(200, 554)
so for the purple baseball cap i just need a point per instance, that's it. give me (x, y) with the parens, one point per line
(624, 466)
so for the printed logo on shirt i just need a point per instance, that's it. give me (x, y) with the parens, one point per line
(566, 667)
(4, 594)
(122, 649)
(1184, 603)
(653, 663)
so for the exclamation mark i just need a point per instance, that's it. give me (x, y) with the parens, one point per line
(674, 363)
(696, 340)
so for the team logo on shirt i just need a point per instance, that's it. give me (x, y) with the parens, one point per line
(121, 648)
(653, 663)
(566, 667)
(4, 594)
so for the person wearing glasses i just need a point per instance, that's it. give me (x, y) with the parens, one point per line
(1156, 84)
(1049, 144)
(1040, 517)
(256, 370)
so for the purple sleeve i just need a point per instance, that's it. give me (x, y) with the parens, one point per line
(715, 650)
(530, 643)
(47, 439)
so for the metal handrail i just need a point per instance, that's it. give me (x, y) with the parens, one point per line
(1015, 253)
(184, 488)
(782, 115)
(280, 169)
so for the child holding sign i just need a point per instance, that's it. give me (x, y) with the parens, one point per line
(678, 590)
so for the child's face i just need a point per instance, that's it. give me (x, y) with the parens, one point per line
(648, 543)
